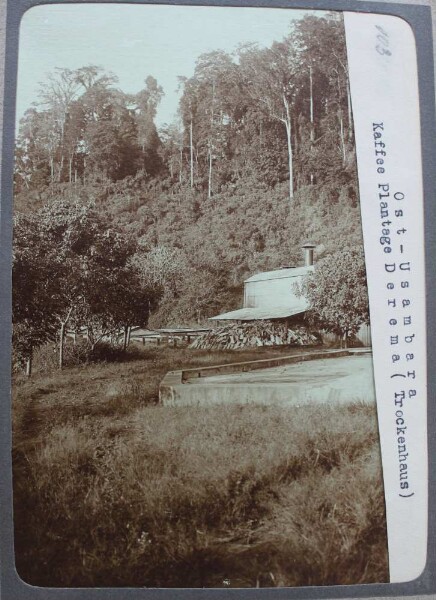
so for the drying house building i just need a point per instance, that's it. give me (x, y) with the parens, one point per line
(272, 295)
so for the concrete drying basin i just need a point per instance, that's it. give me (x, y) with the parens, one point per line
(343, 376)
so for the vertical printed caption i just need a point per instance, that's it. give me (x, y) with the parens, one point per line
(384, 90)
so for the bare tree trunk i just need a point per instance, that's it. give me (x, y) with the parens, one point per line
(60, 169)
(287, 123)
(191, 150)
(209, 186)
(70, 169)
(61, 345)
(312, 128)
(29, 365)
(212, 122)
(291, 174)
(125, 338)
(62, 338)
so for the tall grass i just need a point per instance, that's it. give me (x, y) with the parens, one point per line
(212, 496)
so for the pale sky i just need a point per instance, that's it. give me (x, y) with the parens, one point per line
(134, 41)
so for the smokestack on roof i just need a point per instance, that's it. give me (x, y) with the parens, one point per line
(308, 254)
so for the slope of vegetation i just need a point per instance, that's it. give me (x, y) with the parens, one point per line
(112, 490)
(261, 160)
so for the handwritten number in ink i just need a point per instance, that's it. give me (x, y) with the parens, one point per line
(382, 45)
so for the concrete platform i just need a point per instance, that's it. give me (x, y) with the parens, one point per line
(344, 377)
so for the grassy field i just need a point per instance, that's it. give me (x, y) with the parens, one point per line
(112, 490)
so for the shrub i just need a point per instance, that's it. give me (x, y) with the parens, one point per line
(46, 358)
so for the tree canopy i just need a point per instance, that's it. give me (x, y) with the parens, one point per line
(71, 268)
(289, 101)
(337, 292)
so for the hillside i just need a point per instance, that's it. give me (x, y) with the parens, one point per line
(261, 160)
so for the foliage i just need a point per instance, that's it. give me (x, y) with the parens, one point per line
(337, 292)
(33, 305)
(72, 268)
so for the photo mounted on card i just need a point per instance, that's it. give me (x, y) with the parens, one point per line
(218, 298)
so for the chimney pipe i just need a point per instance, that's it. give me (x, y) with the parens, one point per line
(308, 254)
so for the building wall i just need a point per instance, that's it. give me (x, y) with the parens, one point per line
(272, 293)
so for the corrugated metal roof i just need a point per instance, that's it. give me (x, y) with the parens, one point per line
(280, 274)
(257, 314)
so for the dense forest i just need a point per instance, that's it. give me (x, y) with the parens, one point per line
(260, 160)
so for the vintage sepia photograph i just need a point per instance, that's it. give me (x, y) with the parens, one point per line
(193, 387)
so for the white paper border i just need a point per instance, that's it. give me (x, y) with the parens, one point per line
(384, 89)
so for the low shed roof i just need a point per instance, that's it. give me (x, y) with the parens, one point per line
(254, 314)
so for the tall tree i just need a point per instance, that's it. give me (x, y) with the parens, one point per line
(110, 131)
(147, 101)
(32, 152)
(269, 79)
(320, 45)
(188, 112)
(57, 95)
(171, 149)
(214, 76)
